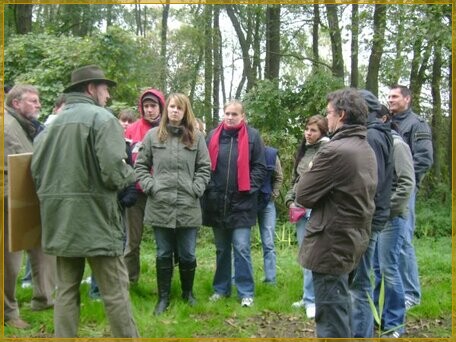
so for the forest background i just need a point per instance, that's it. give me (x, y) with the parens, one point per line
(281, 60)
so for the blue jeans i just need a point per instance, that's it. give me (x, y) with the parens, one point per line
(308, 293)
(362, 316)
(386, 263)
(408, 267)
(182, 238)
(239, 239)
(333, 305)
(267, 222)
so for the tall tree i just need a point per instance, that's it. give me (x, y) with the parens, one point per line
(163, 44)
(208, 67)
(139, 24)
(421, 54)
(354, 74)
(272, 65)
(248, 72)
(23, 18)
(336, 41)
(315, 36)
(436, 122)
(377, 49)
(218, 62)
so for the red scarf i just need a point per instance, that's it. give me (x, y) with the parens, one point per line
(243, 165)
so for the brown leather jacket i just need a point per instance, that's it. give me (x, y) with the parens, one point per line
(340, 188)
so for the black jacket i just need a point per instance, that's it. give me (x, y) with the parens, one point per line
(223, 205)
(380, 139)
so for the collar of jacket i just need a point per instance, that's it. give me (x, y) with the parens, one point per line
(72, 98)
(350, 131)
(26, 124)
(403, 115)
(175, 130)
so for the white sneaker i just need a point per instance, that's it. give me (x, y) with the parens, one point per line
(247, 302)
(299, 304)
(310, 311)
(215, 297)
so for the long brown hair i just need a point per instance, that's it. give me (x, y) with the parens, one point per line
(187, 123)
(322, 124)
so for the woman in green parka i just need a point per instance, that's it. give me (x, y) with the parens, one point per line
(173, 169)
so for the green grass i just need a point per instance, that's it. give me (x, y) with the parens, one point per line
(271, 315)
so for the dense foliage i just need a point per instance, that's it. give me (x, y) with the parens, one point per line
(281, 60)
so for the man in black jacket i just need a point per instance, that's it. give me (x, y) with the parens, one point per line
(380, 139)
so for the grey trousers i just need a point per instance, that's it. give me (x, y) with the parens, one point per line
(112, 280)
(333, 305)
(134, 221)
(43, 276)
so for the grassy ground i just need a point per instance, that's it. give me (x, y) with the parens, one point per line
(271, 315)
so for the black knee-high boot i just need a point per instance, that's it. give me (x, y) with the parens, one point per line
(187, 276)
(164, 276)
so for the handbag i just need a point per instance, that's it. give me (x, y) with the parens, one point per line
(296, 213)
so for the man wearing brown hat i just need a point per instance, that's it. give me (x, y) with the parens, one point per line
(78, 168)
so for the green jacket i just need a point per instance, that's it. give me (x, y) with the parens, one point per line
(78, 168)
(178, 180)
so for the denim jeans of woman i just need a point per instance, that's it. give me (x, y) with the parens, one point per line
(183, 238)
(267, 223)
(386, 264)
(308, 293)
(237, 239)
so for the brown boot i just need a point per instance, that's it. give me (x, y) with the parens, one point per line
(17, 323)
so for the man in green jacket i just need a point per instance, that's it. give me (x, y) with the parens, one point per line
(78, 168)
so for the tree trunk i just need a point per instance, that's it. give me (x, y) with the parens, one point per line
(436, 122)
(399, 39)
(272, 65)
(336, 41)
(354, 74)
(217, 67)
(315, 36)
(139, 30)
(256, 42)
(207, 16)
(23, 18)
(245, 45)
(417, 73)
(163, 43)
(377, 49)
(450, 149)
(109, 15)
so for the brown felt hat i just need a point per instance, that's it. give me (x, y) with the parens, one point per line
(85, 74)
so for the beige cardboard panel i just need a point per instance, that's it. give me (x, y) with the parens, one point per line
(23, 205)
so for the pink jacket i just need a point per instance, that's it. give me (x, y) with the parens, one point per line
(136, 132)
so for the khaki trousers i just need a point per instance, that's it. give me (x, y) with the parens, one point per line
(135, 218)
(43, 275)
(112, 279)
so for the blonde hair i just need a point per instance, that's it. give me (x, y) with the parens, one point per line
(188, 122)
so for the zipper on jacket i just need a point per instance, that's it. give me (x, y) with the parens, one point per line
(227, 178)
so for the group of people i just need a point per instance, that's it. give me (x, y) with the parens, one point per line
(352, 171)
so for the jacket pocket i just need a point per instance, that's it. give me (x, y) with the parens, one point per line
(242, 201)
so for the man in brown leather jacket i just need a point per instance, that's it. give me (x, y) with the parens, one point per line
(340, 188)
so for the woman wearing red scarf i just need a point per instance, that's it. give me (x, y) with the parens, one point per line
(238, 169)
